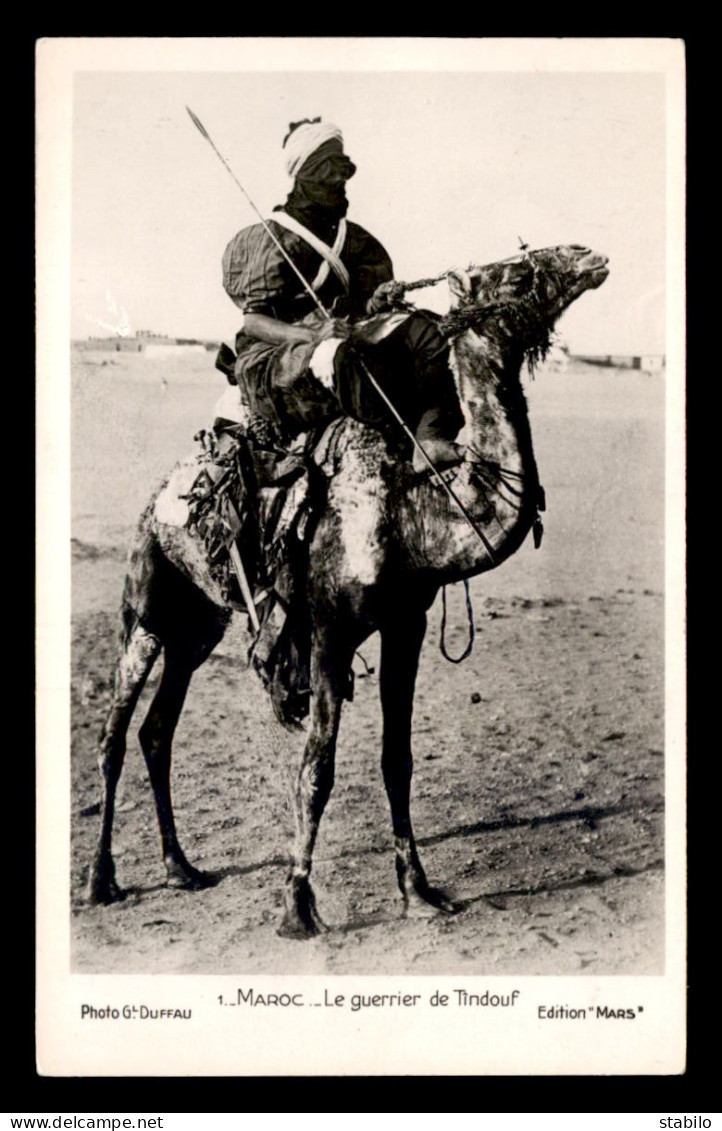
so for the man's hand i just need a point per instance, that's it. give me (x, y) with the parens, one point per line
(386, 297)
(332, 328)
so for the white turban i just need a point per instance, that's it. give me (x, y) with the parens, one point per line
(305, 140)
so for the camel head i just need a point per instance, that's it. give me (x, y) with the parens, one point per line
(522, 297)
(552, 278)
(562, 274)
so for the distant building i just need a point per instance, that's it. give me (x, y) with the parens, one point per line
(116, 343)
(144, 341)
(648, 362)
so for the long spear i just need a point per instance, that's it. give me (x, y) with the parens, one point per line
(307, 286)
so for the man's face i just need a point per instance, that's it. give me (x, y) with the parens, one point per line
(329, 180)
(324, 176)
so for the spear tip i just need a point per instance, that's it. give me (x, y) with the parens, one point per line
(197, 122)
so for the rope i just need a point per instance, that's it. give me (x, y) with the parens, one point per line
(430, 282)
(442, 636)
(529, 326)
(364, 661)
(490, 474)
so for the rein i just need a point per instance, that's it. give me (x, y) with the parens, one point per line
(521, 317)
(470, 619)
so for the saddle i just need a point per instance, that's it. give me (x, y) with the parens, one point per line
(256, 496)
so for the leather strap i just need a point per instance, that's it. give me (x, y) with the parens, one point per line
(330, 255)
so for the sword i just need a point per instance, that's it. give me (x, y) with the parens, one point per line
(235, 555)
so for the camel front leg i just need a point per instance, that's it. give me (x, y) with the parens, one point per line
(401, 642)
(329, 675)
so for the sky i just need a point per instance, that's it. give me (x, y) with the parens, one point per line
(462, 150)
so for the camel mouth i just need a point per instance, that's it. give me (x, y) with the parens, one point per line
(595, 273)
(599, 274)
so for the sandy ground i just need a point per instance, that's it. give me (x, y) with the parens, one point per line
(539, 762)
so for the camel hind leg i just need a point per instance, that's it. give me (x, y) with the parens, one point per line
(162, 608)
(139, 653)
(156, 737)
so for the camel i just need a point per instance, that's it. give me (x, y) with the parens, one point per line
(384, 543)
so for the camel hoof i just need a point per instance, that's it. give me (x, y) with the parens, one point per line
(300, 919)
(429, 903)
(298, 927)
(103, 890)
(184, 877)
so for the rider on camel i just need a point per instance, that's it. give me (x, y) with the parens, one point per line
(296, 368)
